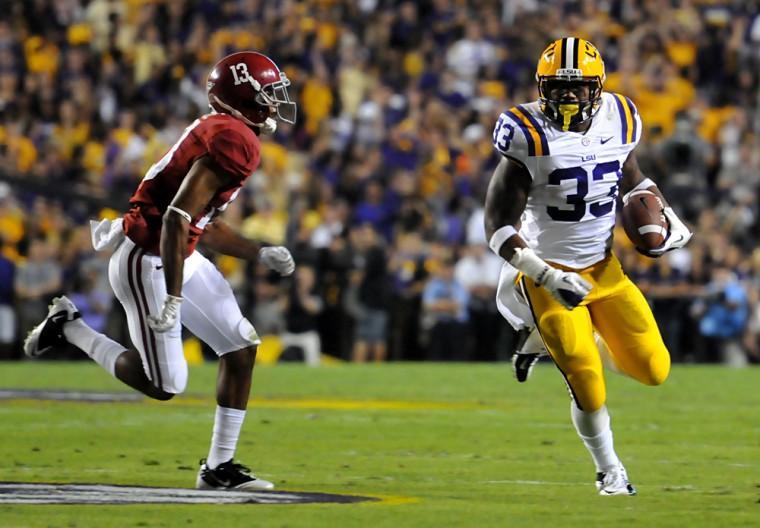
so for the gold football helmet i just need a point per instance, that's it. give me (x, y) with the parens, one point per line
(570, 77)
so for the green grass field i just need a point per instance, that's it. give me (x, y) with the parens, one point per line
(446, 445)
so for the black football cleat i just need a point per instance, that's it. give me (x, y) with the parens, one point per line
(229, 476)
(522, 365)
(528, 348)
(49, 333)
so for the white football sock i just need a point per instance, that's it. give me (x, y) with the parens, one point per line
(594, 430)
(99, 347)
(227, 424)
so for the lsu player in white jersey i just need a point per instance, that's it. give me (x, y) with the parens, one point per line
(550, 213)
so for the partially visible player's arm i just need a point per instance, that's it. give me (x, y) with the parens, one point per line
(505, 202)
(633, 180)
(194, 194)
(221, 237)
(196, 191)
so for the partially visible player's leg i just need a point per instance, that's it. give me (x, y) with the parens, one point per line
(157, 366)
(62, 325)
(528, 347)
(513, 307)
(211, 312)
(233, 387)
(130, 278)
(569, 338)
(594, 430)
(627, 324)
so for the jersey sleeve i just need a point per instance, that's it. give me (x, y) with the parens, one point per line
(638, 126)
(509, 140)
(635, 121)
(630, 120)
(234, 153)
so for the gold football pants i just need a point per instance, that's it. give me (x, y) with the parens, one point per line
(616, 308)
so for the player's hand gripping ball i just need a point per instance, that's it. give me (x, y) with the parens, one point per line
(652, 228)
(644, 221)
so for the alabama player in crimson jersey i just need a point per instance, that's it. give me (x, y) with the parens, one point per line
(163, 283)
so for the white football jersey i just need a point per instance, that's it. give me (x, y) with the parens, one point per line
(570, 212)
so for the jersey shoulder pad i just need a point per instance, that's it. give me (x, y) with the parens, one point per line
(519, 134)
(235, 149)
(628, 117)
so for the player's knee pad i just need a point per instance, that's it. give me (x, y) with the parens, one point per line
(659, 369)
(246, 331)
(175, 380)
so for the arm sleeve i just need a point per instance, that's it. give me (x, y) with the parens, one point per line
(509, 139)
(234, 153)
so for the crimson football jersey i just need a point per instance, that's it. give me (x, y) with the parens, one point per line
(228, 141)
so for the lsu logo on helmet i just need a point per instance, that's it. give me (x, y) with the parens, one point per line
(570, 75)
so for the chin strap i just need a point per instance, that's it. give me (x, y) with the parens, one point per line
(269, 126)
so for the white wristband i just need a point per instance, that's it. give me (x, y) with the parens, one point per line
(500, 236)
(530, 264)
(180, 212)
(646, 183)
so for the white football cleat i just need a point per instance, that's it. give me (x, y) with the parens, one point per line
(229, 476)
(49, 333)
(614, 482)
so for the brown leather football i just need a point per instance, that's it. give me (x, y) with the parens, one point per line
(643, 220)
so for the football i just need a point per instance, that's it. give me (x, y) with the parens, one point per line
(643, 220)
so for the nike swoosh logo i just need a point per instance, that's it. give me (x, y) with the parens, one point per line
(59, 317)
(159, 268)
(603, 141)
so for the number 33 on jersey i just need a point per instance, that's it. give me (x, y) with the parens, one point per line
(570, 212)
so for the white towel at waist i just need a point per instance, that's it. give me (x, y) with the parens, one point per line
(107, 234)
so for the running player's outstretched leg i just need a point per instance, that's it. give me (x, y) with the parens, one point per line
(65, 325)
(569, 337)
(233, 386)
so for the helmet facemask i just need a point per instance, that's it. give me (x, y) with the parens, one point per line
(565, 110)
(275, 96)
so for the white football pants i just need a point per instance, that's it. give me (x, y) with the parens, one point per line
(209, 310)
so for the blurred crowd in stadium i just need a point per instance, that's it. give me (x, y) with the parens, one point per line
(378, 188)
